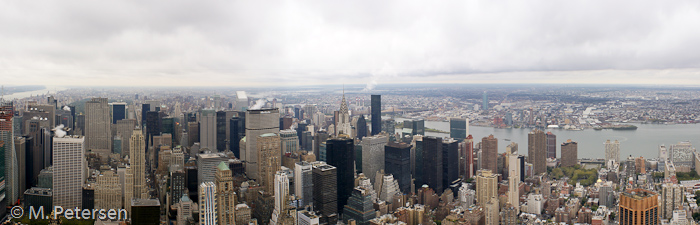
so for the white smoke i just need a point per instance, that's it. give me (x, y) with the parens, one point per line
(58, 130)
(259, 104)
(66, 108)
(387, 71)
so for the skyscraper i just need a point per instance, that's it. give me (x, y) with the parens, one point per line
(489, 153)
(552, 145)
(612, 151)
(236, 133)
(491, 211)
(208, 212)
(108, 193)
(138, 164)
(97, 124)
(537, 151)
(432, 163)
(486, 186)
(361, 128)
(458, 128)
(118, 111)
(469, 156)
(373, 155)
(145, 108)
(671, 199)
(376, 114)
(343, 126)
(221, 125)
(340, 153)
(281, 197)
(360, 207)
(450, 161)
(569, 153)
(257, 122)
(241, 101)
(290, 141)
(325, 189)
(225, 195)
(207, 130)
(206, 166)
(397, 161)
(303, 183)
(269, 160)
(638, 207)
(513, 175)
(68, 169)
(9, 174)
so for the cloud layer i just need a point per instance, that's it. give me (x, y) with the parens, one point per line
(238, 43)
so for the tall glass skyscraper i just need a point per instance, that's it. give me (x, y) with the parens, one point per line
(377, 114)
(458, 128)
(340, 152)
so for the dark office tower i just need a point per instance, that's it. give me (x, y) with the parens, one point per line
(234, 138)
(306, 141)
(360, 207)
(80, 124)
(88, 197)
(389, 126)
(419, 127)
(537, 151)
(450, 162)
(301, 127)
(376, 114)
(118, 112)
(29, 162)
(551, 145)
(521, 160)
(458, 128)
(417, 169)
(193, 133)
(144, 111)
(432, 163)
(145, 211)
(485, 102)
(340, 152)
(361, 127)
(489, 153)
(320, 137)
(191, 182)
(153, 125)
(469, 157)
(286, 122)
(21, 153)
(297, 113)
(325, 189)
(397, 161)
(168, 127)
(569, 153)
(221, 130)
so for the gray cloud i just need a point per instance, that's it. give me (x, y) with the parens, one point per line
(215, 43)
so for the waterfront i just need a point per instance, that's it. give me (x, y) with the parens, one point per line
(644, 141)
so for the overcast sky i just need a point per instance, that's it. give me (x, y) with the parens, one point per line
(238, 43)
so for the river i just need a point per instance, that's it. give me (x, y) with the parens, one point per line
(21, 95)
(644, 141)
